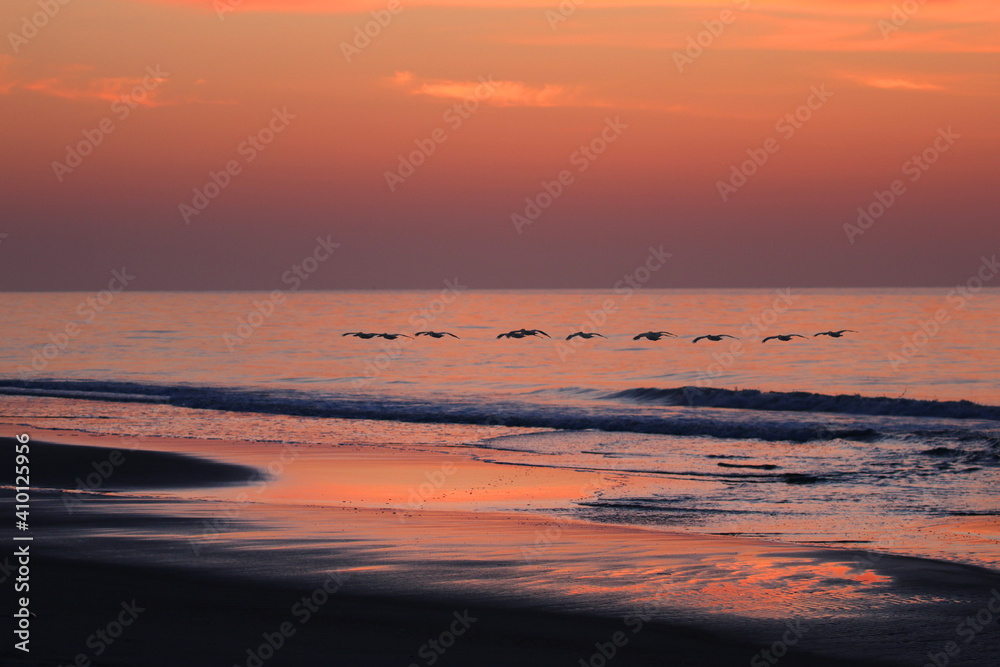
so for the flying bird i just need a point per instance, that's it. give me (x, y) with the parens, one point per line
(436, 334)
(389, 336)
(835, 334)
(521, 333)
(654, 335)
(583, 334)
(361, 334)
(714, 338)
(784, 337)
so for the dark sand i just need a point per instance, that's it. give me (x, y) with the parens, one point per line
(73, 467)
(213, 608)
(208, 619)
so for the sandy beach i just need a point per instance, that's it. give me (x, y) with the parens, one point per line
(394, 561)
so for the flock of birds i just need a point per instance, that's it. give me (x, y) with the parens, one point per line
(648, 335)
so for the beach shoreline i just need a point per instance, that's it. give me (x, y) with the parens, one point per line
(707, 599)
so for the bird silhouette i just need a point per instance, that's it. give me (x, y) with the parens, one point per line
(654, 335)
(361, 334)
(714, 338)
(436, 334)
(784, 337)
(389, 336)
(835, 334)
(583, 334)
(521, 333)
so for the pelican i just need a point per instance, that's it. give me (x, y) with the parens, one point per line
(784, 337)
(389, 336)
(521, 333)
(436, 334)
(714, 338)
(361, 334)
(654, 335)
(835, 334)
(583, 334)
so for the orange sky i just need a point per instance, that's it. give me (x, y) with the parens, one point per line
(335, 116)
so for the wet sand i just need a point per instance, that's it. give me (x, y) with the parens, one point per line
(215, 568)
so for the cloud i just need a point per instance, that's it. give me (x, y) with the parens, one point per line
(901, 84)
(892, 82)
(963, 26)
(497, 93)
(520, 94)
(80, 83)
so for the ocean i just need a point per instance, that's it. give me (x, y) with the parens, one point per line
(886, 439)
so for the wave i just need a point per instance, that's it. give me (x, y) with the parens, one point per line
(803, 401)
(591, 415)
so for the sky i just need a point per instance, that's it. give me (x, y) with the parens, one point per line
(215, 145)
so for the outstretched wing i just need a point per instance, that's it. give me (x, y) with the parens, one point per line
(601, 335)
(843, 331)
(728, 336)
(768, 338)
(639, 336)
(823, 333)
(698, 339)
(574, 335)
(448, 333)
